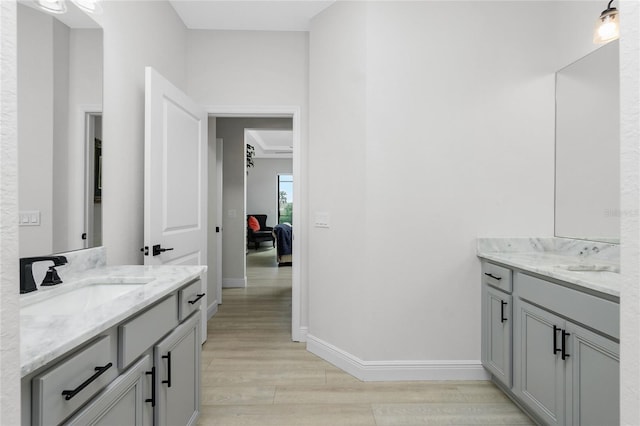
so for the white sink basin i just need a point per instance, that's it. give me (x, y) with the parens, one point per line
(79, 299)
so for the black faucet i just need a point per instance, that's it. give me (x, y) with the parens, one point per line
(27, 283)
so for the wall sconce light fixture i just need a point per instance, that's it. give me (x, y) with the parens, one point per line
(60, 6)
(607, 26)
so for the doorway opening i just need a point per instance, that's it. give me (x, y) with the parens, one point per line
(235, 208)
(92, 235)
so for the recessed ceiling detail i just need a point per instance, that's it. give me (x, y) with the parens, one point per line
(265, 15)
(271, 143)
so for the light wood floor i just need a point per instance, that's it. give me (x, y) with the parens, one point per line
(253, 374)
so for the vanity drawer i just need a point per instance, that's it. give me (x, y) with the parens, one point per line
(189, 299)
(68, 385)
(597, 313)
(497, 276)
(140, 333)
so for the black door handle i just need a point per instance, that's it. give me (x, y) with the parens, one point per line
(68, 394)
(555, 339)
(502, 305)
(168, 358)
(564, 353)
(152, 400)
(492, 276)
(157, 249)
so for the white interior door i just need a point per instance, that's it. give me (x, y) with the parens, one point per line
(175, 192)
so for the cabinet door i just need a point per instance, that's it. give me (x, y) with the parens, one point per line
(593, 373)
(177, 361)
(539, 368)
(123, 402)
(497, 327)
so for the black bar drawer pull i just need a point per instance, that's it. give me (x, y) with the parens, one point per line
(194, 301)
(502, 305)
(68, 394)
(564, 353)
(555, 339)
(168, 358)
(152, 400)
(490, 275)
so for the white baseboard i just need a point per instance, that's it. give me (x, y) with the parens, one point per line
(234, 282)
(301, 335)
(212, 309)
(396, 370)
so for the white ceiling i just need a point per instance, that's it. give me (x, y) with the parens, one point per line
(263, 15)
(271, 143)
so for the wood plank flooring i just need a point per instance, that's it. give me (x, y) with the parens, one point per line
(253, 374)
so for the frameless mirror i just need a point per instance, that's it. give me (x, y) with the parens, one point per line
(587, 184)
(60, 69)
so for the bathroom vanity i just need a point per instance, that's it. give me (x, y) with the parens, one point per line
(551, 327)
(113, 345)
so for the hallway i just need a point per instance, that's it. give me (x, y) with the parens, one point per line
(253, 374)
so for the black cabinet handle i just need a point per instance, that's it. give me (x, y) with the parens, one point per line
(68, 394)
(555, 339)
(152, 400)
(502, 305)
(168, 358)
(492, 276)
(200, 296)
(564, 353)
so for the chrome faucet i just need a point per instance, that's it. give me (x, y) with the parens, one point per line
(27, 283)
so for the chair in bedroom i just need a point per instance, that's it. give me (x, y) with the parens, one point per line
(258, 231)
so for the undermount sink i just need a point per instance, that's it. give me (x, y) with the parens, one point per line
(591, 267)
(79, 299)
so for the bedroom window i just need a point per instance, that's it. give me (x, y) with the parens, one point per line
(285, 198)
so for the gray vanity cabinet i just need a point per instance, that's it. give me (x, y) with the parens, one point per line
(177, 361)
(497, 324)
(126, 401)
(143, 371)
(567, 374)
(540, 369)
(569, 338)
(496, 340)
(561, 359)
(593, 378)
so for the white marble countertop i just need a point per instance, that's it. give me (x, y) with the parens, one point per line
(45, 337)
(554, 265)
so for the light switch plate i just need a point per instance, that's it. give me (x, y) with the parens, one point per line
(29, 218)
(322, 220)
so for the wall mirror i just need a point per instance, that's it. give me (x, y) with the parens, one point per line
(587, 169)
(60, 74)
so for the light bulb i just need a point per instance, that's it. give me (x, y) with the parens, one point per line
(607, 27)
(53, 6)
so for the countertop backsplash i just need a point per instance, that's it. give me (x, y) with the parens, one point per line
(77, 261)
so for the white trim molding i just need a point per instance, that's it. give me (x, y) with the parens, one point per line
(300, 335)
(396, 370)
(234, 282)
(212, 309)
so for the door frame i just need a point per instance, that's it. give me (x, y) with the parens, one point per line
(298, 332)
(85, 115)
